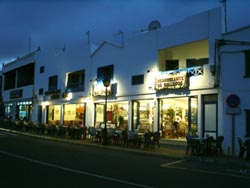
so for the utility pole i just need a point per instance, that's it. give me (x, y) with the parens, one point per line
(224, 2)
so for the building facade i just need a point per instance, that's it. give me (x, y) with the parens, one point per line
(172, 79)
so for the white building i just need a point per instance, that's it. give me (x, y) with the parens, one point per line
(174, 73)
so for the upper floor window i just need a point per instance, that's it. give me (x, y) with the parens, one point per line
(196, 62)
(41, 91)
(106, 72)
(53, 83)
(42, 69)
(76, 81)
(137, 79)
(25, 75)
(9, 80)
(247, 63)
(171, 64)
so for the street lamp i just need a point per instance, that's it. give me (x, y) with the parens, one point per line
(106, 83)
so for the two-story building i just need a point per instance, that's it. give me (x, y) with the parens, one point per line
(174, 79)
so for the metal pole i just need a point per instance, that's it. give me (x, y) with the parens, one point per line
(233, 121)
(105, 141)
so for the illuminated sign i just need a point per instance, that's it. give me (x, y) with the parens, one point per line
(100, 90)
(172, 80)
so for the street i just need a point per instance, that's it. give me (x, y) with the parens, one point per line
(34, 162)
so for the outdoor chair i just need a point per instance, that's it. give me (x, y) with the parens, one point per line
(247, 147)
(147, 140)
(156, 139)
(219, 141)
(242, 148)
(191, 145)
(210, 146)
(124, 139)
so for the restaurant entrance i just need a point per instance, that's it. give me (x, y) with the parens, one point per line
(178, 117)
(117, 115)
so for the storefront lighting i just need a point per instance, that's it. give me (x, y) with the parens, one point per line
(69, 97)
(44, 103)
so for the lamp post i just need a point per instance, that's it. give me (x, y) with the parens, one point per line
(106, 83)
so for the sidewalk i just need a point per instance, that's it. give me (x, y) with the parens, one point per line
(168, 149)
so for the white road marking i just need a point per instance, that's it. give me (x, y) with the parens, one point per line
(172, 163)
(73, 170)
(169, 165)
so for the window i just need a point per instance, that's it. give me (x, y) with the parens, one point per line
(42, 69)
(106, 72)
(41, 91)
(9, 80)
(25, 75)
(138, 79)
(171, 65)
(52, 83)
(76, 81)
(247, 115)
(247, 63)
(196, 62)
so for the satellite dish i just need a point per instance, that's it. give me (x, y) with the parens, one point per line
(154, 25)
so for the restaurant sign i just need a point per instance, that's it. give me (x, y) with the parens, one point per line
(172, 80)
(100, 90)
(16, 94)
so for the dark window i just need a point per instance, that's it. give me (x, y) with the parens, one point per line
(76, 81)
(25, 75)
(138, 79)
(247, 113)
(247, 63)
(172, 65)
(41, 91)
(42, 69)
(52, 83)
(196, 62)
(106, 72)
(9, 80)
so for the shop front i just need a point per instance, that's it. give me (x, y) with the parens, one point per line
(116, 115)
(20, 110)
(178, 116)
(143, 112)
(69, 112)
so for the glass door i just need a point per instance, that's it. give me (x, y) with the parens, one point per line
(192, 115)
(210, 124)
(135, 114)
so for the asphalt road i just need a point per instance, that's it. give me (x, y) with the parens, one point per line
(34, 162)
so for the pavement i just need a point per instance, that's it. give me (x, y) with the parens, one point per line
(175, 149)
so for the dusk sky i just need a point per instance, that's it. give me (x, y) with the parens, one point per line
(57, 22)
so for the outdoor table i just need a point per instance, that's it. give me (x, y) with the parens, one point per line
(198, 145)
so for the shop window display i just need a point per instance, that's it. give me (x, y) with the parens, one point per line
(174, 118)
(117, 115)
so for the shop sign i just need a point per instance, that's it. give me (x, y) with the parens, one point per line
(233, 110)
(16, 94)
(173, 80)
(100, 90)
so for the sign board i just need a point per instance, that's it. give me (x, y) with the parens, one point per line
(233, 101)
(174, 80)
(233, 111)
